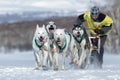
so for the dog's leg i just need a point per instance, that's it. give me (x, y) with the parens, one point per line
(55, 60)
(75, 55)
(50, 59)
(82, 56)
(45, 60)
(88, 58)
(37, 60)
(63, 60)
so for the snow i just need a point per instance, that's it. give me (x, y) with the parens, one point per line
(20, 66)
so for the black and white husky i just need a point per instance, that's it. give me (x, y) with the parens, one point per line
(82, 41)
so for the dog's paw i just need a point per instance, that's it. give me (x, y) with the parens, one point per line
(36, 68)
(56, 69)
(44, 67)
(71, 62)
(63, 68)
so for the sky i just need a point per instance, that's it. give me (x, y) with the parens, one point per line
(47, 5)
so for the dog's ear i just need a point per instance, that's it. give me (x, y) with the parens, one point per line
(43, 26)
(64, 29)
(75, 25)
(37, 26)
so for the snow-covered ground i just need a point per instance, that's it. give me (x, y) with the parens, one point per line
(20, 66)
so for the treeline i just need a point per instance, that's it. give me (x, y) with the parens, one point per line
(114, 37)
(19, 35)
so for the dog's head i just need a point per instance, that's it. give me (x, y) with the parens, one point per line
(59, 36)
(51, 27)
(40, 33)
(78, 31)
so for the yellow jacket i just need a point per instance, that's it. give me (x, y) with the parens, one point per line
(92, 25)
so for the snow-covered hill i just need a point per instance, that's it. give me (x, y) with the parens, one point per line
(20, 65)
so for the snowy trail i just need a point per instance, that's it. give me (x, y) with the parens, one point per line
(19, 66)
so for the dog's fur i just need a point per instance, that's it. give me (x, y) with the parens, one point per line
(41, 47)
(82, 41)
(64, 40)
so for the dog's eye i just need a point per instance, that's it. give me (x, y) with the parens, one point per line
(79, 28)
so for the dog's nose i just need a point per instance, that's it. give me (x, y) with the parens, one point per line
(41, 37)
(78, 32)
(51, 26)
(58, 38)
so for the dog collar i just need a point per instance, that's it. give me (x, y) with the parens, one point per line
(39, 46)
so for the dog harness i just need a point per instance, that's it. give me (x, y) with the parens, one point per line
(39, 46)
(61, 48)
(82, 37)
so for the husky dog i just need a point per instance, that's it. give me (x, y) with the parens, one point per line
(64, 40)
(82, 41)
(50, 28)
(41, 47)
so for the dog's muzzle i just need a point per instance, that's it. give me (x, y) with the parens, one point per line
(78, 34)
(41, 39)
(58, 41)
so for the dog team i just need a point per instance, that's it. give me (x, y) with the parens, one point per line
(49, 42)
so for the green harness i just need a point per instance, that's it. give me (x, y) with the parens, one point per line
(61, 48)
(79, 41)
(39, 46)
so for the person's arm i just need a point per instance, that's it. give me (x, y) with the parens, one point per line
(105, 29)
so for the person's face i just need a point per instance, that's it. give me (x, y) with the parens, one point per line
(94, 16)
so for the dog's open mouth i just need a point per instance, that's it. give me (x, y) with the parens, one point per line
(51, 28)
(41, 39)
(59, 42)
(78, 35)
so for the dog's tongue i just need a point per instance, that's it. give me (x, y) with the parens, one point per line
(59, 42)
(78, 35)
(40, 39)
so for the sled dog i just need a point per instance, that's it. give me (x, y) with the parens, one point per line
(82, 41)
(41, 47)
(64, 41)
(50, 28)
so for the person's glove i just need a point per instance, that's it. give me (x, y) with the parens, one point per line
(99, 31)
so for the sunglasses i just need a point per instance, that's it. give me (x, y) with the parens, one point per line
(94, 14)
